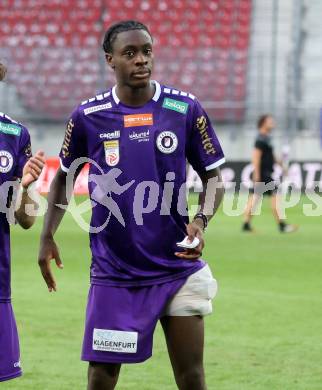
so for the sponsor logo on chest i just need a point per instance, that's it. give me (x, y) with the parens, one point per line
(111, 135)
(112, 152)
(138, 120)
(6, 161)
(167, 142)
(143, 136)
(115, 341)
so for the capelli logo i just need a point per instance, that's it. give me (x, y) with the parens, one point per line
(113, 135)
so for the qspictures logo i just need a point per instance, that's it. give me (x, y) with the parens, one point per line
(202, 126)
(138, 120)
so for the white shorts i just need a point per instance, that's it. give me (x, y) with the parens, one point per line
(195, 296)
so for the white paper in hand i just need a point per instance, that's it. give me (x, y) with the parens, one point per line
(189, 245)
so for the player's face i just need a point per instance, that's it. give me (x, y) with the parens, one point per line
(270, 123)
(132, 58)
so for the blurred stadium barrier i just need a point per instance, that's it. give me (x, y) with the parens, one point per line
(302, 176)
(49, 171)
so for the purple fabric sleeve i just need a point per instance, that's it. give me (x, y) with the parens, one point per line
(24, 152)
(74, 144)
(204, 151)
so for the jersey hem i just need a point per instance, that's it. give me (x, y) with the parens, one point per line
(150, 282)
(11, 376)
(88, 358)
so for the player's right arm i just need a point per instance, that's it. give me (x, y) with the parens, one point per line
(256, 160)
(48, 248)
(59, 194)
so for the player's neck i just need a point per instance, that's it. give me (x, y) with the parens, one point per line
(135, 96)
(264, 131)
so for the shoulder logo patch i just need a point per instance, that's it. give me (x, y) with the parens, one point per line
(8, 128)
(175, 105)
(100, 107)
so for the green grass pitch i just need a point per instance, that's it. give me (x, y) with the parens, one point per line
(266, 332)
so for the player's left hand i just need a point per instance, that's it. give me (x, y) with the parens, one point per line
(33, 169)
(193, 230)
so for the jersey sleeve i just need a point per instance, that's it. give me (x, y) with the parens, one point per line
(74, 144)
(204, 151)
(24, 152)
(259, 144)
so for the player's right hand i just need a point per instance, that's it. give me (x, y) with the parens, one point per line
(49, 251)
(33, 169)
(193, 230)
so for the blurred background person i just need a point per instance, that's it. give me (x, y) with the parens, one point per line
(263, 161)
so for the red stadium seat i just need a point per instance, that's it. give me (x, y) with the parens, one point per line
(54, 51)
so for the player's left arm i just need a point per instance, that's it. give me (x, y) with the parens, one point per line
(205, 154)
(212, 195)
(209, 201)
(26, 194)
(27, 171)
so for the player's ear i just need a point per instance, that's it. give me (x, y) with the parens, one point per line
(109, 60)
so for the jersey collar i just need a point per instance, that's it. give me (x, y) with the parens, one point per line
(156, 95)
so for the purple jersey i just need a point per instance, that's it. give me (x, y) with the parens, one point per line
(147, 147)
(15, 150)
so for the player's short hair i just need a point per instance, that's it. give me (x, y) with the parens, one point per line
(3, 71)
(125, 25)
(261, 120)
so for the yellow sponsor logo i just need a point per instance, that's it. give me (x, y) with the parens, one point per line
(67, 139)
(111, 144)
(202, 126)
